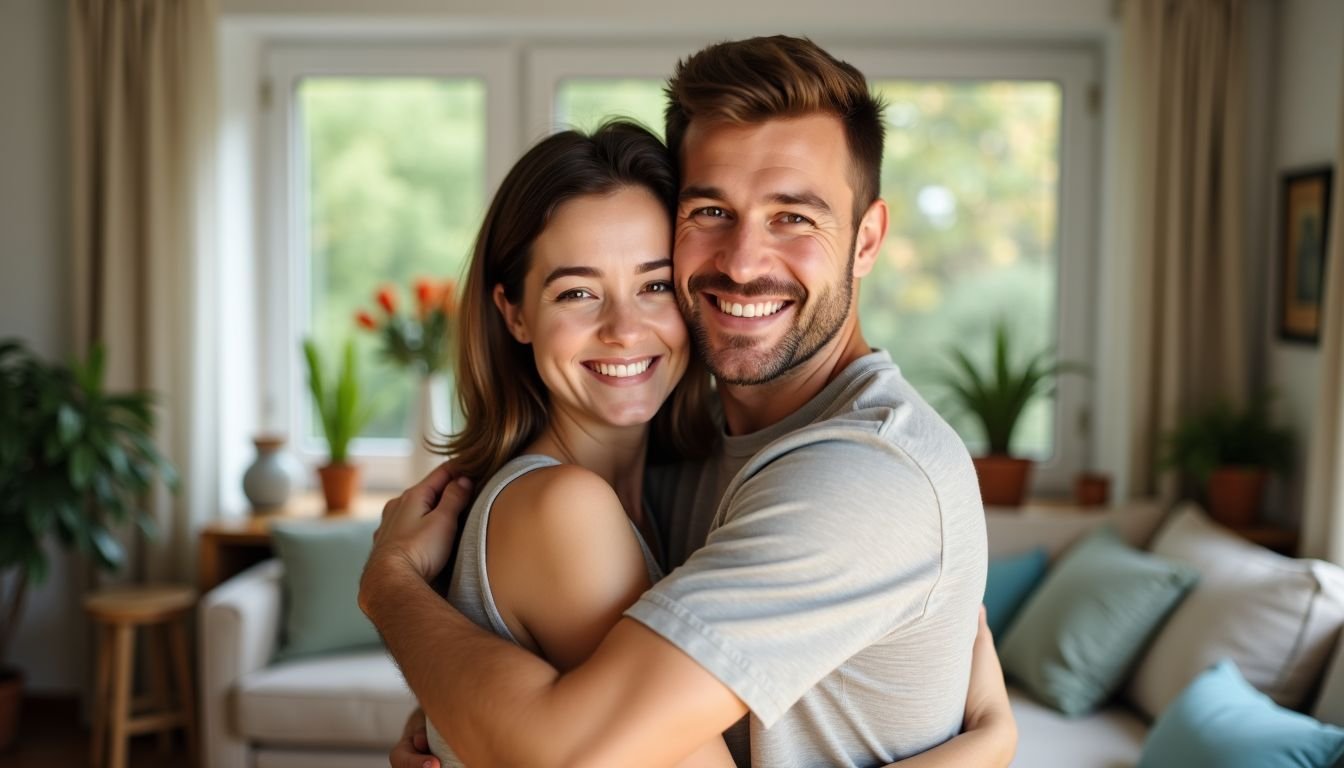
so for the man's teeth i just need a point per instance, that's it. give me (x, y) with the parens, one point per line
(750, 310)
(623, 371)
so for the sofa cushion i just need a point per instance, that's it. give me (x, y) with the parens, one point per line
(1081, 631)
(1109, 737)
(1276, 617)
(1221, 720)
(1008, 584)
(323, 560)
(339, 700)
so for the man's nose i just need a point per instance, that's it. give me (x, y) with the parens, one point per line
(742, 255)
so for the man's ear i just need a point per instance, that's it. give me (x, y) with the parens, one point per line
(868, 238)
(513, 316)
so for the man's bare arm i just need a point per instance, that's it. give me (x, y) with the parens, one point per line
(637, 700)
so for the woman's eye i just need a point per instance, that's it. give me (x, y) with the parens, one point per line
(575, 293)
(660, 286)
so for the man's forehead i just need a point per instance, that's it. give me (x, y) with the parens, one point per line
(781, 155)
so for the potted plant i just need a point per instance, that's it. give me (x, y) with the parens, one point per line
(996, 398)
(343, 416)
(76, 463)
(1229, 453)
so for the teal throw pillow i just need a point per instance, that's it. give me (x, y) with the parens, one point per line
(323, 560)
(1081, 631)
(1220, 719)
(1009, 583)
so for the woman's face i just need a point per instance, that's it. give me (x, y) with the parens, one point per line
(599, 311)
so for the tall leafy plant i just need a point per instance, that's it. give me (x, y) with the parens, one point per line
(1220, 435)
(340, 407)
(997, 395)
(76, 462)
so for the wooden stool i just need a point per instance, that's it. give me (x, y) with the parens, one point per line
(163, 611)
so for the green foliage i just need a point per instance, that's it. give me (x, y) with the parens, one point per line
(1221, 435)
(341, 410)
(76, 462)
(996, 397)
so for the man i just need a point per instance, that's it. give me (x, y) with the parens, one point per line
(830, 557)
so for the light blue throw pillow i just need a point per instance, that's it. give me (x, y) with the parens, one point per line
(1220, 719)
(323, 560)
(1073, 642)
(1009, 583)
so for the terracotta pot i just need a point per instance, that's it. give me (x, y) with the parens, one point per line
(340, 483)
(1003, 480)
(11, 697)
(1092, 489)
(1234, 495)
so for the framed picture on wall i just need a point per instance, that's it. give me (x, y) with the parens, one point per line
(1304, 232)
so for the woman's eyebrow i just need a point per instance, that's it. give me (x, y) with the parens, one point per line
(650, 266)
(560, 272)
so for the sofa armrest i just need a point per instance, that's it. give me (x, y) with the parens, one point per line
(239, 626)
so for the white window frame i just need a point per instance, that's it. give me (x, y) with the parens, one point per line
(384, 461)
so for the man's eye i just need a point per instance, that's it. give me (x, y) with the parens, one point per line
(712, 211)
(794, 218)
(575, 293)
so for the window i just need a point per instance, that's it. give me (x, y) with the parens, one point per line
(385, 164)
(387, 158)
(987, 176)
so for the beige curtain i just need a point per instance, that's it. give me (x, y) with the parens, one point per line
(1181, 119)
(142, 87)
(1323, 518)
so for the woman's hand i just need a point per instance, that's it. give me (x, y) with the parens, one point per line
(413, 749)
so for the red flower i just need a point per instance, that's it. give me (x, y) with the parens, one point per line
(424, 294)
(365, 320)
(388, 300)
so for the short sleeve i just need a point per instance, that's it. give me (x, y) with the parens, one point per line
(821, 552)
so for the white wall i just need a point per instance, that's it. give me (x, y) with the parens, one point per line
(1306, 132)
(34, 267)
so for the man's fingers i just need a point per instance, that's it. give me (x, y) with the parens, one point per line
(426, 492)
(455, 496)
(420, 740)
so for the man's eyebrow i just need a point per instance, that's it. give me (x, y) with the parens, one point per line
(808, 199)
(560, 272)
(698, 192)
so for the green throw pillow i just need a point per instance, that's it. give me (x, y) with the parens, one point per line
(1009, 583)
(323, 560)
(1221, 720)
(1080, 632)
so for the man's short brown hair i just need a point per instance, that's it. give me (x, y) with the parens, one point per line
(751, 81)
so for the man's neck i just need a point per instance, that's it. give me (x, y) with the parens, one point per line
(751, 408)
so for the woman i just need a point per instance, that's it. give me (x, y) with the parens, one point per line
(574, 371)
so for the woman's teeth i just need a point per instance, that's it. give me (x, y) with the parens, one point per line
(750, 310)
(623, 371)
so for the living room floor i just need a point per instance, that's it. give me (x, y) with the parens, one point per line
(46, 739)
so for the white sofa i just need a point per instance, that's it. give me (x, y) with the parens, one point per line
(1112, 737)
(345, 711)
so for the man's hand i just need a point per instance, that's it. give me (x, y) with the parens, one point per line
(417, 532)
(413, 749)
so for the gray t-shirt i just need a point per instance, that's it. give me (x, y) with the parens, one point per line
(829, 570)
(469, 591)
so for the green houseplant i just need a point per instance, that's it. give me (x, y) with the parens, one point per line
(343, 415)
(996, 396)
(1227, 454)
(76, 464)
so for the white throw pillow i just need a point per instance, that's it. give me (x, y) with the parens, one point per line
(1276, 617)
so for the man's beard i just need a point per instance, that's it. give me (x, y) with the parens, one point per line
(739, 361)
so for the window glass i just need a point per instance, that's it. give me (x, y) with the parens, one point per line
(395, 185)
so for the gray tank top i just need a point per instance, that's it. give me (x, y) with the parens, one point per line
(470, 588)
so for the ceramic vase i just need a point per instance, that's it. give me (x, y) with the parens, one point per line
(430, 421)
(271, 478)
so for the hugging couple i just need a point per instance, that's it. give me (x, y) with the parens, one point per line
(781, 566)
